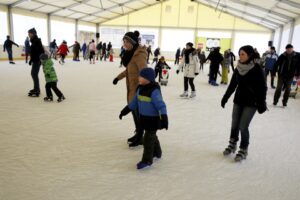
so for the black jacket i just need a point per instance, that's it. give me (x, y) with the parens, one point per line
(215, 58)
(251, 89)
(8, 44)
(36, 49)
(282, 65)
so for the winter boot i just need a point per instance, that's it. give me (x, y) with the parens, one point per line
(48, 99)
(231, 148)
(241, 155)
(184, 94)
(193, 94)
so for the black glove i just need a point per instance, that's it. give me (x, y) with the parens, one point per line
(124, 112)
(164, 122)
(223, 102)
(196, 74)
(177, 71)
(262, 107)
(30, 62)
(115, 81)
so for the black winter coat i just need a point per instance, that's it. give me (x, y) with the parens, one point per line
(282, 65)
(251, 89)
(36, 49)
(215, 60)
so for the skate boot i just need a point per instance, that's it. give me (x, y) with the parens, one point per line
(48, 99)
(241, 155)
(142, 165)
(138, 141)
(33, 93)
(193, 94)
(133, 138)
(231, 148)
(184, 94)
(60, 99)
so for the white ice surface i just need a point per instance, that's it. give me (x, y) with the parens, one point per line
(76, 150)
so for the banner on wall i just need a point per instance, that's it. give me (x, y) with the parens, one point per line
(208, 43)
(148, 39)
(85, 36)
(212, 43)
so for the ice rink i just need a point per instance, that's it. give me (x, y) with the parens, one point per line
(76, 150)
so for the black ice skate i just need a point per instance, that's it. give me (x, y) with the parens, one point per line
(231, 148)
(33, 93)
(48, 99)
(60, 99)
(241, 155)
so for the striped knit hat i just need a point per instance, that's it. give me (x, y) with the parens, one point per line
(132, 37)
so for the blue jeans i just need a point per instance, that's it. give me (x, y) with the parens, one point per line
(10, 54)
(241, 118)
(35, 75)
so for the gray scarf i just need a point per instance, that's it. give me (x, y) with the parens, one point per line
(244, 68)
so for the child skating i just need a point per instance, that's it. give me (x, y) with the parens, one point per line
(153, 115)
(51, 79)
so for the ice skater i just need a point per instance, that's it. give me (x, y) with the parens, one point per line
(250, 88)
(8, 47)
(153, 115)
(51, 79)
(62, 51)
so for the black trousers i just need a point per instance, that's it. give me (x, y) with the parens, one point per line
(138, 129)
(35, 68)
(189, 81)
(232, 65)
(280, 83)
(151, 147)
(53, 86)
(176, 61)
(267, 71)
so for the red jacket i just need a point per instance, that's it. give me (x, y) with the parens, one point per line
(63, 49)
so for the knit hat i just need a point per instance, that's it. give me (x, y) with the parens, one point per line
(189, 44)
(289, 46)
(44, 57)
(148, 73)
(132, 37)
(33, 31)
(248, 49)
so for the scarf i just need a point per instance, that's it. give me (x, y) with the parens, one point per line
(128, 55)
(187, 55)
(243, 69)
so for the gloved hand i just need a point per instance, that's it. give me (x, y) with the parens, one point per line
(196, 74)
(223, 102)
(124, 112)
(115, 81)
(30, 62)
(164, 122)
(177, 71)
(262, 107)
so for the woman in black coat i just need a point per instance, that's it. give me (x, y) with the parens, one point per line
(250, 88)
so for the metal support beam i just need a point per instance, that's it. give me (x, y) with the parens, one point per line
(10, 23)
(76, 29)
(49, 28)
(17, 3)
(279, 39)
(290, 3)
(291, 35)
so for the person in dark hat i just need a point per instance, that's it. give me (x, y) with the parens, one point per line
(216, 59)
(8, 47)
(248, 83)
(152, 112)
(134, 60)
(287, 67)
(36, 50)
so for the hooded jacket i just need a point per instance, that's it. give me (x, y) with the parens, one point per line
(36, 49)
(286, 69)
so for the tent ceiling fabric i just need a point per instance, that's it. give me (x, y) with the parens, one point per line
(268, 13)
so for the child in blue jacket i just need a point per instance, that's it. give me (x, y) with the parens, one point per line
(152, 114)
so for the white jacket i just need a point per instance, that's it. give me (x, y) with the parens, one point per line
(191, 68)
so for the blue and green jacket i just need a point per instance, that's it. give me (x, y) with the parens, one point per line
(149, 104)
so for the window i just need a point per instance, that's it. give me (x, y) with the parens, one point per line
(22, 24)
(63, 31)
(148, 36)
(174, 38)
(113, 35)
(296, 38)
(4, 27)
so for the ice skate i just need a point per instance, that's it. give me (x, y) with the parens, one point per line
(142, 165)
(231, 148)
(60, 99)
(241, 155)
(193, 94)
(48, 99)
(136, 142)
(133, 138)
(185, 94)
(33, 93)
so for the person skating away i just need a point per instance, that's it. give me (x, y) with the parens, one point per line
(111, 55)
(158, 67)
(7, 46)
(134, 60)
(92, 49)
(153, 115)
(53, 47)
(287, 67)
(250, 89)
(190, 66)
(62, 51)
(225, 67)
(202, 59)
(51, 79)
(109, 47)
(36, 50)
(149, 52)
(76, 49)
(99, 49)
(103, 55)
(232, 59)
(177, 56)
(216, 59)
(269, 61)
(84, 48)
(27, 49)
(156, 54)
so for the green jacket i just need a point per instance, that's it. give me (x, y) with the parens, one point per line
(49, 71)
